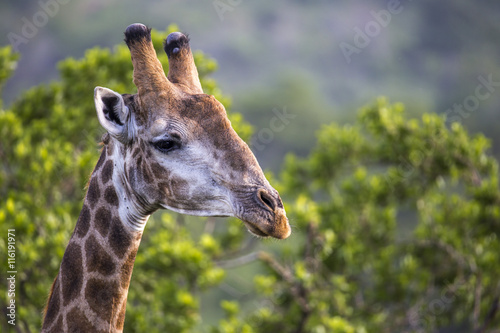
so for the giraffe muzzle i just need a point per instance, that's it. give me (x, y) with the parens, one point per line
(276, 224)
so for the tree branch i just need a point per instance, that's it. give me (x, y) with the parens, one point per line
(459, 258)
(490, 316)
(298, 291)
(243, 260)
(477, 302)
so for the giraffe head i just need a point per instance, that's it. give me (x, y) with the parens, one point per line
(175, 148)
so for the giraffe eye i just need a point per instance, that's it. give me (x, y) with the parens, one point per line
(166, 145)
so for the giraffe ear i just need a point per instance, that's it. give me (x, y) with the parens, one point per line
(112, 112)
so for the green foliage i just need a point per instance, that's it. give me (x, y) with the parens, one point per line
(395, 219)
(48, 150)
(8, 62)
(396, 231)
(169, 268)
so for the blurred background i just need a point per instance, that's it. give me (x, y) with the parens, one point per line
(305, 58)
(289, 67)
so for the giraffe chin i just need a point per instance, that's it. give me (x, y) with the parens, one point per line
(254, 230)
(281, 230)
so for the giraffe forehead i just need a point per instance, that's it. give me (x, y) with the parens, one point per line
(201, 118)
(168, 123)
(191, 122)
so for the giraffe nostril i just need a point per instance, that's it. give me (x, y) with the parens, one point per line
(265, 198)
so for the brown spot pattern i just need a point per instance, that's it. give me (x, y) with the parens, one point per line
(58, 327)
(109, 149)
(110, 196)
(165, 188)
(158, 170)
(71, 272)
(100, 294)
(237, 164)
(178, 186)
(102, 158)
(93, 192)
(83, 223)
(148, 177)
(136, 152)
(107, 172)
(126, 269)
(131, 176)
(78, 322)
(119, 239)
(97, 258)
(102, 221)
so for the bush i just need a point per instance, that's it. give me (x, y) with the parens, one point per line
(395, 220)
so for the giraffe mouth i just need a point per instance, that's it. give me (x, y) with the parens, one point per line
(279, 228)
(255, 230)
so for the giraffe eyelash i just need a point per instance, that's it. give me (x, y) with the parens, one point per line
(166, 145)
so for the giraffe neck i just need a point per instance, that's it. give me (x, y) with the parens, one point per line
(90, 292)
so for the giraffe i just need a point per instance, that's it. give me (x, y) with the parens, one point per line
(170, 146)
